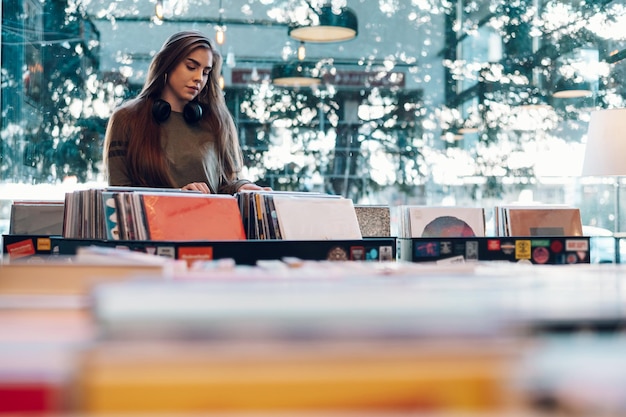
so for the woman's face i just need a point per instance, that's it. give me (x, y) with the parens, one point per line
(188, 78)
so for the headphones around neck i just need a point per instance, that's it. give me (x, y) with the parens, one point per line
(161, 110)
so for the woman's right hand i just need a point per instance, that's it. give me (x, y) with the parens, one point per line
(198, 186)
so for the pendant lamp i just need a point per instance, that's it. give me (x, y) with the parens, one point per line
(328, 25)
(570, 88)
(295, 74)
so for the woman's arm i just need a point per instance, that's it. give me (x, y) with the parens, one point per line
(115, 145)
(234, 186)
(231, 187)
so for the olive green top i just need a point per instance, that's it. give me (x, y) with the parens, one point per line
(189, 150)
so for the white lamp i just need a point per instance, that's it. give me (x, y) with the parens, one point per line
(605, 154)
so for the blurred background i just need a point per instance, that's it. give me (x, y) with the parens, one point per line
(467, 103)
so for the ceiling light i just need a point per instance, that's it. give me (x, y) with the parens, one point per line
(570, 88)
(297, 74)
(301, 51)
(220, 29)
(328, 26)
(220, 35)
(158, 10)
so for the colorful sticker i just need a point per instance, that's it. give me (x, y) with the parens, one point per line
(44, 244)
(556, 246)
(357, 253)
(21, 249)
(386, 253)
(195, 253)
(576, 245)
(541, 255)
(522, 249)
(507, 247)
(493, 245)
(471, 251)
(337, 254)
(423, 249)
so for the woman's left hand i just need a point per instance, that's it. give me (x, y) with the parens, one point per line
(198, 186)
(254, 187)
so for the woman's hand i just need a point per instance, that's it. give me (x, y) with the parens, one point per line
(198, 186)
(254, 187)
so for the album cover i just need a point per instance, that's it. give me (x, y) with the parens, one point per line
(181, 217)
(259, 214)
(543, 221)
(37, 218)
(111, 225)
(433, 221)
(315, 218)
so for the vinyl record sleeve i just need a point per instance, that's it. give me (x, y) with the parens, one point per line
(432, 221)
(316, 218)
(178, 217)
(544, 222)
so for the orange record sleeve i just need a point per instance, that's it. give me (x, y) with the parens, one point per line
(179, 217)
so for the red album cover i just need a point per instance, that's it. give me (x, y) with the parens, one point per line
(182, 217)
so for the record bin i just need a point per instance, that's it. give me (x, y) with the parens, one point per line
(553, 250)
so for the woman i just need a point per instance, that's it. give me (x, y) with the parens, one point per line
(177, 132)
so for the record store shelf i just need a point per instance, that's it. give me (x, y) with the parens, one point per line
(554, 250)
(246, 252)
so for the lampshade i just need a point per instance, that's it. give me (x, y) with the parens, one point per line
(606, 143)
(570, 88)
(331, 27)
(295, 74)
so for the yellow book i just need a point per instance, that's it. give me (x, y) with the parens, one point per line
(153, 377)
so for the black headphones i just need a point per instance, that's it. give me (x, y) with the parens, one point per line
(161, 110)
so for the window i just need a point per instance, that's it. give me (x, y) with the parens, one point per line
(432, 103)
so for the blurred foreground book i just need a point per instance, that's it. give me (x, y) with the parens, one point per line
(308, 376)
(76, 275)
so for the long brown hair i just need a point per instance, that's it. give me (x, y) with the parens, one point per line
(146, 163)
